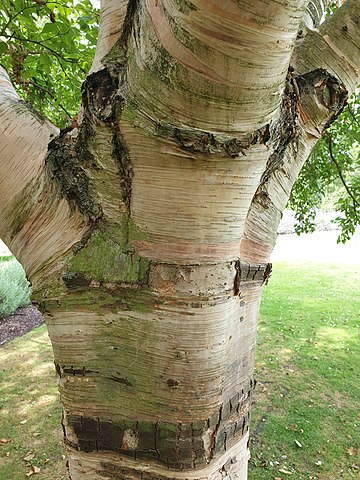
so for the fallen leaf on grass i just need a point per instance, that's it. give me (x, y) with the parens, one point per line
(29, 456)
(23, 422)
(34, 470)
(351, 451)
(5, 440)
(278, 478)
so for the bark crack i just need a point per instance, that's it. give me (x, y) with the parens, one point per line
(67, 169)
(283, 133)
(156, 436)
(103, 103)
(267, 273)
(237, 278)
(117, 57)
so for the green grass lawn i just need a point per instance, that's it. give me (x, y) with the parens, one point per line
(306, 412)
(30, 431)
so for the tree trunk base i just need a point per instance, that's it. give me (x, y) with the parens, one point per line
(232, 465)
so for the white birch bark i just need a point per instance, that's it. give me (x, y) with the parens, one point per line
(112, 16)
(35, 223)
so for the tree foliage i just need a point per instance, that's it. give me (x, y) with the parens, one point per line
(47, 47)
(333, 172)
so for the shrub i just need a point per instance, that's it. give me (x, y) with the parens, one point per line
(14, 287)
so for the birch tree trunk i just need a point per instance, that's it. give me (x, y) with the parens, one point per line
(147, 232)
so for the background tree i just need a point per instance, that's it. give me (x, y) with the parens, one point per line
(331, 176)
(146, 229)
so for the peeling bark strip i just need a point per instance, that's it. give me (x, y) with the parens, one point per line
(174, 445)
(247, 272)
(267, 273)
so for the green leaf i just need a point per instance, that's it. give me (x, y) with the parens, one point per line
(59, 55)
(50, 28)
(85, 18)
(3, 47)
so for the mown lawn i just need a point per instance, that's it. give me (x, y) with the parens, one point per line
(306, 412)
(30, 431)
(306, 416)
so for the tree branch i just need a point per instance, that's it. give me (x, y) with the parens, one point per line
(24, 136)
(36, 222)
(36, 42)
(226, 61)
(335, 46)
(12, 18)
(112, 16)
(351, 111)
(19, 12)
(47, 91)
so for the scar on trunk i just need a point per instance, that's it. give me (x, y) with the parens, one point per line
(237, 278)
